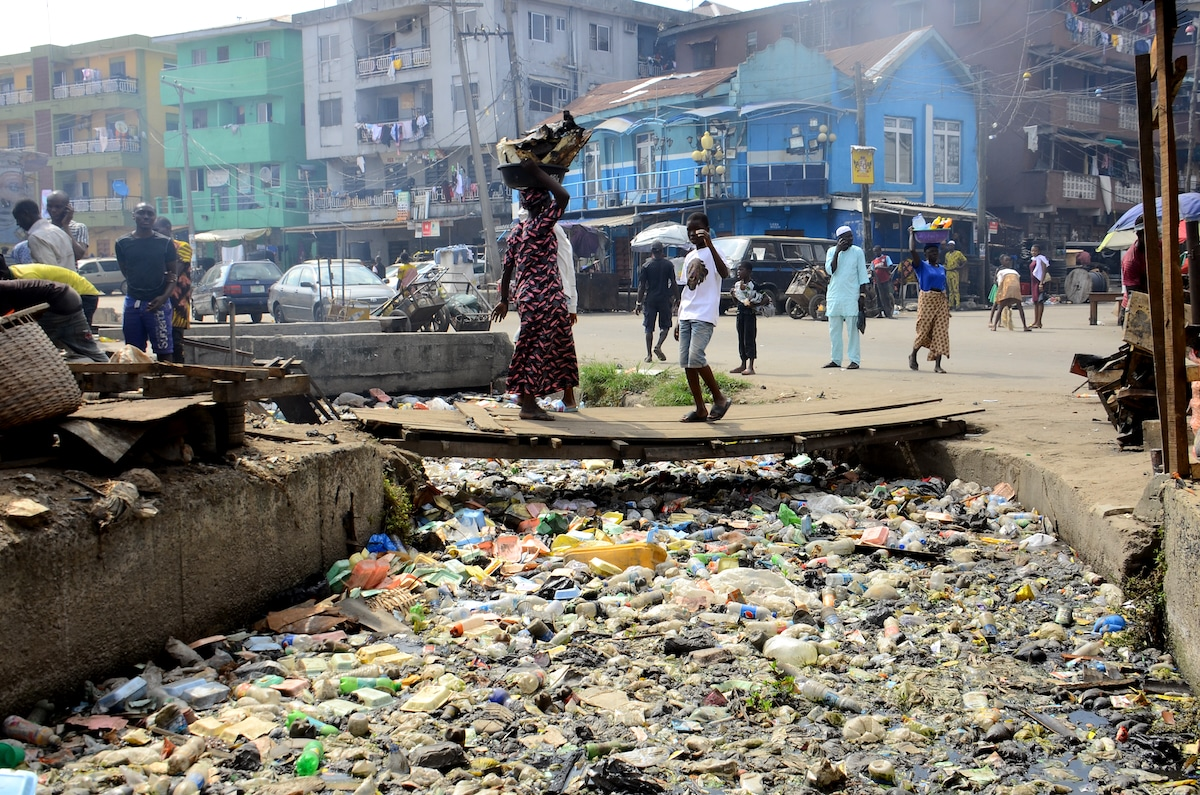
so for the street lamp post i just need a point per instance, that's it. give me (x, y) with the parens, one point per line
(710, 158)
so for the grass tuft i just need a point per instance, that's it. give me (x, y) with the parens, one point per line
(607, 384)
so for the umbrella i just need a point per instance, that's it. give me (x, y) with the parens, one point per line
(1121, 239)
(1120, 235)
(667, 233)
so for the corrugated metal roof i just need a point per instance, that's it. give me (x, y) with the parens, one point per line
(612, 96)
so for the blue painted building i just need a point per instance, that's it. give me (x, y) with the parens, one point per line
(765, 146)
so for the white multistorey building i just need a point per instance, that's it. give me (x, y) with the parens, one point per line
(385, 109)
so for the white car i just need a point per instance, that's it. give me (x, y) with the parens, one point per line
(308, 290)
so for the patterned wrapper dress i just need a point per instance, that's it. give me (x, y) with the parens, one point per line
(544, 359)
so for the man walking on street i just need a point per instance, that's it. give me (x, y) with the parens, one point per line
(48, 244)
(656, 298)
(1039, 283)
(844, 298)
(699, 307)
(150, 265)
(883, 267)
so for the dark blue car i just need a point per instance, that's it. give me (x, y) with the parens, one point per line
(238, 288)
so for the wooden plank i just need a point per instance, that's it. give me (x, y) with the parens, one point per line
(110, 441)
(112, 367)
(156, 386)
(241, 391)
(484, 420)
(145, 410)
(109, 383)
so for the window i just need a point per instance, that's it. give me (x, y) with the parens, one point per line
(911, 15)
(65, 132)
(966, 12)
(947, 151)
(197, 182)
(460, 100)
(199, 57)
(60, 78)
(116, 67)
(560, 24)
(262, 49)
(539, 27)
(645, 161)
(330, 112)
(264, 113)
(172, 121)
(116, 181)
(268, 175)
(788, 31)
(174, 185)
(16, 137)
(468, 20)
(704, 54)
(598, 37)
(222, 54)
(199, 118)
(329, 48)
(752, 42)
(7, 85)
(543, 98)
(239, 114)
(898, 150)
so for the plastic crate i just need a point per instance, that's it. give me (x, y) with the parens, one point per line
(928, 236)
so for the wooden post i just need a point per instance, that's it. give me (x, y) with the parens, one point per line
(1170, 347)
(1193, 249)
(1145, 103)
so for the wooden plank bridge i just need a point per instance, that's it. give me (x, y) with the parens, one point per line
(656, 434)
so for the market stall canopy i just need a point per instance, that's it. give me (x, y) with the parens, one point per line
(1121, 235)
(229, 235)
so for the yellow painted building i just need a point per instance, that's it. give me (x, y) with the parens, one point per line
(90, 121)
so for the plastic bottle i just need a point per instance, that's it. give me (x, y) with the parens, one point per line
(937, 580)
(707, 534)
(185, 756)
(194, 780)
(503, 605)
(538, 629)
(698, 568)
(597, 750)
(784, 649)
(831, 619)
(752, 612)
(646, 599)
(987, 625)
(816, 691)
(309, 761)
(351, 683)
(473, 621)
(891, 629)
(829, 546)
(828, 599)
(840, 579)
(528, 682)
(321, 727)
(18, 728)
(11, 755)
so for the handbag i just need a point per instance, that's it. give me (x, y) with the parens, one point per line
(862, 322)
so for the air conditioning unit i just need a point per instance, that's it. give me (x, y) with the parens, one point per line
(631, 27)
(404, 25)
(612, 200)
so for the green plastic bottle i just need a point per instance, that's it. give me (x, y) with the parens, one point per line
(321, 727)
(309, 761)
(352, 683)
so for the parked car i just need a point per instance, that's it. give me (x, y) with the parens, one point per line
(776, 260)
(296, 295)
(103, 273)
(234, 288)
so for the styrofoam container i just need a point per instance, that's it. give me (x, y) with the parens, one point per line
(18, 782)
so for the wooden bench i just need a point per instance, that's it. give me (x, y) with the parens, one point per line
(1094, 301)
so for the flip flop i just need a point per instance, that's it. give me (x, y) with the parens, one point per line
(571, 410)
(662, 357)
(717, 412)
(692, 416)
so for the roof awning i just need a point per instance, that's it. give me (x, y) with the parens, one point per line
(617, 124)
(928, 210)
(230, 235)
(614, 220)
(702, 113)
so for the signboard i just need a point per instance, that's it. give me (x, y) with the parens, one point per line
(862, 165)
(428, 229)
(403, 202)
(993, 227)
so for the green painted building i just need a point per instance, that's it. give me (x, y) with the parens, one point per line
(238, 92)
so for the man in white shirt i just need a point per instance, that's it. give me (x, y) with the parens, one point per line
(566, 270)
(699, 307)
(48, 244)
(62, 214)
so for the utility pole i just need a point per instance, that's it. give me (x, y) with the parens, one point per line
(187, 164)
(518, 73)
(981, 222)
(492, 252)
(1189, 167)
(860, 96)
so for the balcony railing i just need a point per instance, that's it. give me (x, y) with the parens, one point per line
(1127, 192)
(318, 201)
(110, 85)
(398, 60)
(97, 146)
(1078, 186)
(398, 132)
(1128, 119)
(114, 205)
(1083, 110)
(16, 97)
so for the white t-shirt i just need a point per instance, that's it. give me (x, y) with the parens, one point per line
(1000, 274)
(703, 303)
(1039, 266)
(566, 268)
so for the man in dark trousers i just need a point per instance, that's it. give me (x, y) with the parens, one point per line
(150, 265)
(63, 322)
(657, 296)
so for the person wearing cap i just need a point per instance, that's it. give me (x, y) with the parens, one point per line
(846, 265)
(933, 309)
(1133, 268)
(955, 261)
(656, 298)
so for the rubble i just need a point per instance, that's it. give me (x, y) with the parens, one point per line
(715, 625)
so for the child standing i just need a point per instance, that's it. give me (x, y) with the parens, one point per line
(748, 300)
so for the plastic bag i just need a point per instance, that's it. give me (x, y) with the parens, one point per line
(787, 515)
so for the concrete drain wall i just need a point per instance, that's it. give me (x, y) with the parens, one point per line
(84, 604)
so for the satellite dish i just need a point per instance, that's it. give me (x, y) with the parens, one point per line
(121, 127)
(264, 174)
(120, 188)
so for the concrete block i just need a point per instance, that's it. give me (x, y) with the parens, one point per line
(1181, 549)
(1150, 507)
(303, 329)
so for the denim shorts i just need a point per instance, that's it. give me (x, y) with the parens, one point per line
(694, 336)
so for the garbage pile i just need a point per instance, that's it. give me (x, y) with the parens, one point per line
(754, 625)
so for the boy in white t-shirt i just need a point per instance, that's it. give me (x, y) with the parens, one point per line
(1039, 283)
(699, 307)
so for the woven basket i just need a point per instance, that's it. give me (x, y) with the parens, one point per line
(37, 383)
